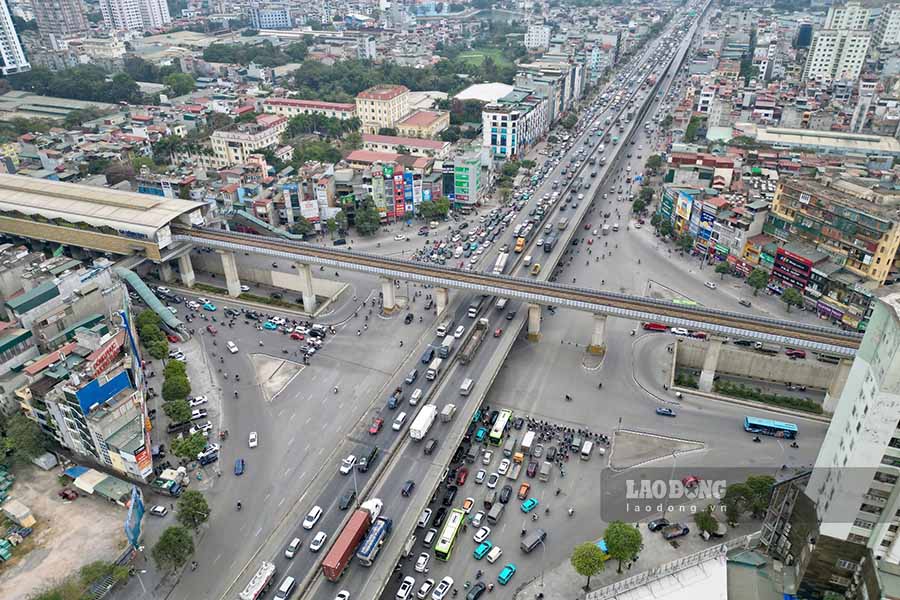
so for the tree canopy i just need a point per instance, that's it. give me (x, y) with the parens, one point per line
(173, 549)
(179, 83)
(263, 55)
(22, 438)
(758, 279)
(587, 560)
(193, 510)
(86, 82)
(623, 542)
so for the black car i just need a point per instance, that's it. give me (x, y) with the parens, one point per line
(742, 343)
(408, 318)
(439, 517)
(276, 296)
(476, 591)
(347, 499)
(449, 496)
(511, 315)
(518, 423)
(408, 487)
(657, 524)
(505, 494)
(551, 454)
(459, 454)
(428, 304)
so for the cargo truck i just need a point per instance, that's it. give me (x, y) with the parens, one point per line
(501, 263)
(447, 412)
(767, 348)
(348, 540)
(527, 442)
(259, 583)
(423, 421)
(514, 469)
(546, 469)
(446, 347)
(476, 336)
(170, 482)
(371, 545)
(433, 369)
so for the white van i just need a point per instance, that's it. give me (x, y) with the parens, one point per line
(586, 449)
(286, 589)
(415, 396)
(494, 554)
(527, 261)
(501, 303)
(466, 388)
(399, 421)
(232, 348)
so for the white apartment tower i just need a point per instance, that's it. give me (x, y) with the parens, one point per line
(854, 482)
(13, 57)
(887, 29)
(836, 54)
(537, 37)
(847, 16)
(134, 15)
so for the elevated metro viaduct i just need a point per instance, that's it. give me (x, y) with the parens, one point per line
(163, 230)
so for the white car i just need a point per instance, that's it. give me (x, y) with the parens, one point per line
(316, 544)
(253, 441)
(159, 511)
(422, 562)
(711, 285)
(459, 332)
(292, 548)
(680, 331)
(342, 595)
(494, 554)
(193, 305)
(197, 401)
(477, 519)
(203, 300)
(480, 476)
(172, 310)
(482, 534)
(205, 428)
(426, 586)
(312, 517)
(442, 589)
(492, 480)
(406, 587)
(347, 464)
(504, 466)
(245, 288)
(399, 237)
(163, 290)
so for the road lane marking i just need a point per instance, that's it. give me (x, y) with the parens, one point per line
(302, 475)
(258, 531)
(216, 559)
(308, 419)
(293, 414)
(280, 502)
(291, 441)
(267, 497)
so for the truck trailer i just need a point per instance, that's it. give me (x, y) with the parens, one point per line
(423, 421)
(348, 540)
(259, 583)
(476, 336)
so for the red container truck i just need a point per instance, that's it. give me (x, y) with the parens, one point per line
(346, 543)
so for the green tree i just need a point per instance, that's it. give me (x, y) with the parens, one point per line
(173, 549)
(587, 560)
(685, 243)
(723, 269)
(76, 118)
(368, 219)
(387, 131)
(690, 133)
(341, 220)
(736, 501)
(173, 368)
(758, 279)
(301, 226)
(666, 229)
(193, 510)
(180, 83)
(655, 220)
(117, 172)
(705, 521)
(654, 162)
(623, 542)
(178, 411)
(176, 388)
(147, 317)
(792, 297)
(332, 227)
(22, 438)
(759, 493)
(666, 122)
(188, 447)
(158, 349)
(569, 121)
(638, 206)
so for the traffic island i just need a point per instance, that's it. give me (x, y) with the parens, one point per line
(273, 374)
(631, 449)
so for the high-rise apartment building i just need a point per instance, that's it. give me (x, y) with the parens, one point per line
(134, 15)
(836, 54)
(851, 15)
(887, 28)
(60, 19)
(13, 57)
(537, 37)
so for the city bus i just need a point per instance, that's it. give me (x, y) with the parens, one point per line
(768, 427)
(499, 428)
(445, 542)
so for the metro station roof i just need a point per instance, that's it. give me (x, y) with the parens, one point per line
(97, 206)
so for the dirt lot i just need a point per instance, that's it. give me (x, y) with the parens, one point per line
(67, 535)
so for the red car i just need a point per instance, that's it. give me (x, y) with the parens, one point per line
(461, 476)
(173, 339)
(691, 481)
(212, 329)
(375, 427)
(498, 332)
(587, 226)
(590, 241)
(655, 327)
(795, 353)
(297, 336)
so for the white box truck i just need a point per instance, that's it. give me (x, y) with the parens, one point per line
(422, 423)
(433, 369)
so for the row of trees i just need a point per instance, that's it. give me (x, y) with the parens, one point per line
(86, 82)
(330, 127)
(263, 55)
(623, 543)
(176, 544)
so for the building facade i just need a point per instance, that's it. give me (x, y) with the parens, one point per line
(11, 53)
(60, 19)
(289, 107)
(836, 54)
(234, 146)
(135, 15)
(382, 106)
(271, 17)
(425, 124)
(851, 15)
(537, 37)
(514, 123)
(154, 13)
(887, 28)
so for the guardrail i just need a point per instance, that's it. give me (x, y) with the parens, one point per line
(716, 552)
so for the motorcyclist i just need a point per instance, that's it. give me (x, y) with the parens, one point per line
(239, 505)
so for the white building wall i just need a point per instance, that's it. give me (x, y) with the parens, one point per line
(11, 53)
(155, 13)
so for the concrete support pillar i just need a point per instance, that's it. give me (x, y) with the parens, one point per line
(598, 337)
(186, 267)
(229, 267)
(165, 272)
(306, 287)
(388, 298)
(534, 322)
(838, 380)
(440, 299)
(710, 363)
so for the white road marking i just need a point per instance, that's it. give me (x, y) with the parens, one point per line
(308, 419)
(302, 475)
(291, 441)
(216, 559)
(267, 497)
(258, 531)
(280, 502)
(292, 416)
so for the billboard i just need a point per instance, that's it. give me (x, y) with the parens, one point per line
(134, 517)
(309, 209)
(683, 205)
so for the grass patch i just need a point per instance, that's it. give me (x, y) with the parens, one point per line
(476, 56)
(205, 287)
(726, 388)
(270, 301)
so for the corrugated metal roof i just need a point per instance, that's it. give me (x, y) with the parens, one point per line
(33, 297)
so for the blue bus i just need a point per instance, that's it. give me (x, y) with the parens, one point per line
(767, 427)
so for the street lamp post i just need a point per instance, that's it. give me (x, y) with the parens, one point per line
(355, 489)
(671, 475)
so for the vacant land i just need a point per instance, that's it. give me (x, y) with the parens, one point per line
(67, 535)
(476, 56)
